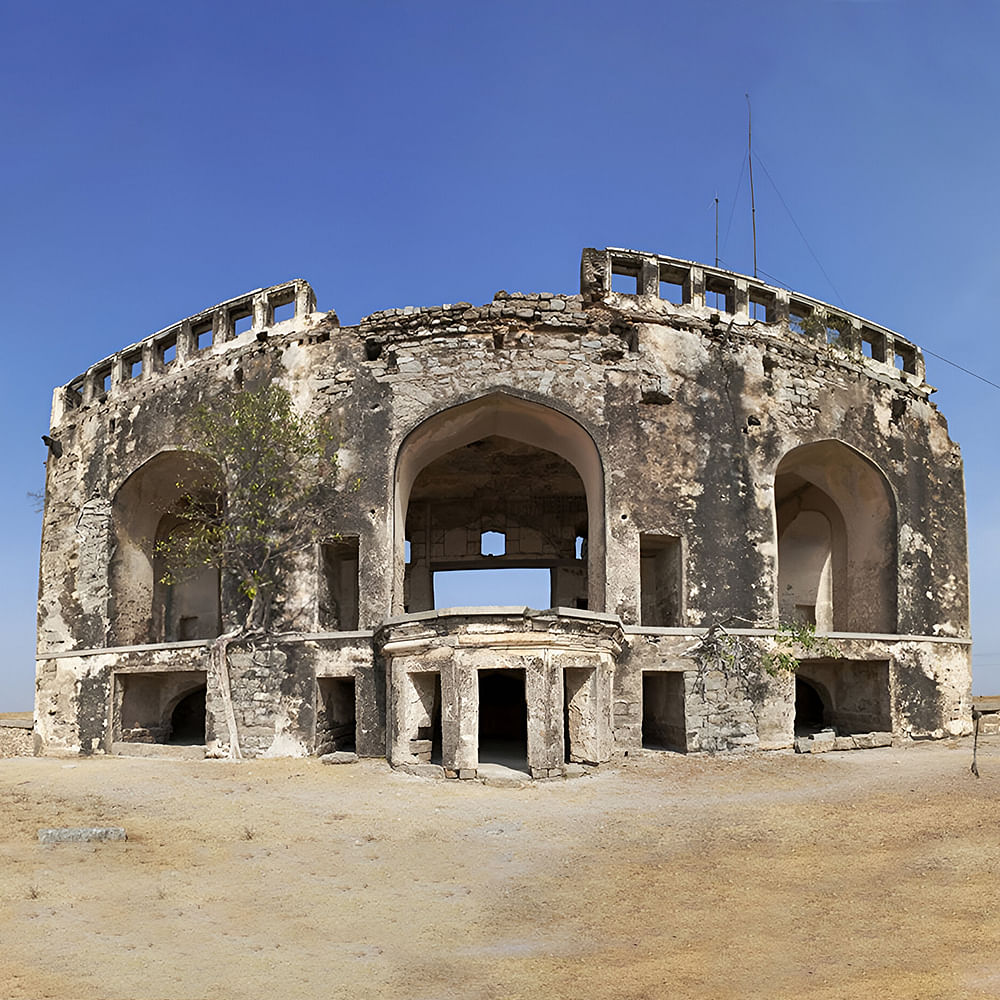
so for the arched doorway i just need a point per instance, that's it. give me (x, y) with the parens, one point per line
(496, 522)
(836, 529)
(499, 481)
(145, 510)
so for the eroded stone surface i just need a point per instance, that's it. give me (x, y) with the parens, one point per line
(745, 457)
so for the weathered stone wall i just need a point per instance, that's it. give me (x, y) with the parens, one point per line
(675, 416)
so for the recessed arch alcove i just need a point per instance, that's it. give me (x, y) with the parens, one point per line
(509, 428)
(836, 528)
(144, 510)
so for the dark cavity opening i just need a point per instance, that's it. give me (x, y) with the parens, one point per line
(503, 718)
(336, 726)
(187, 722)
(809, 708)
(663, 722)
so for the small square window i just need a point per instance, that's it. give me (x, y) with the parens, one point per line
(798, 319)
(762, 307)
(202, 336)
(493, 543)
(242, 322)
(625, 282)
(286, 310)
(672, 284)
(905, 358)
(719, 294)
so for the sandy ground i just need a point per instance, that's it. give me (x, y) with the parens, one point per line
(865, 874)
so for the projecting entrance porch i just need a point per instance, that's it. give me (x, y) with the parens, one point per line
(528, 689)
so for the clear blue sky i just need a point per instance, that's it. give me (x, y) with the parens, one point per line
(158, 158)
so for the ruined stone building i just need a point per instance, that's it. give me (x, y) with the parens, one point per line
(674, 447)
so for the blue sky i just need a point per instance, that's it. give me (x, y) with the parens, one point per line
(161, 158)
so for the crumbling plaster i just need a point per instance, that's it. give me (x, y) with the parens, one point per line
(677, 418)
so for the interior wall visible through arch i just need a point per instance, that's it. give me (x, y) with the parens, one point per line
(542, 428)
(829, 481)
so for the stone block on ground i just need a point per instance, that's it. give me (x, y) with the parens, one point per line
(422, 770)
(80, 834)
(339, 757)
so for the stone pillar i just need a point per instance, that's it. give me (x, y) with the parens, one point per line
(185, 341)
(459, 719)
(649, 277)
(260, 313)
(543, 690)
(696, 283)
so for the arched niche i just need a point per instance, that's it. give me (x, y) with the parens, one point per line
(500, 415)
(836, 528)
(143, 508)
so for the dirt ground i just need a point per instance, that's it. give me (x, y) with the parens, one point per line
(864, 874)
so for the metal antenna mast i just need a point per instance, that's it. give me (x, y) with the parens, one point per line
(753, 207)
(716, 230)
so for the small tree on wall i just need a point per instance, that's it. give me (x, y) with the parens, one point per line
(269, 503)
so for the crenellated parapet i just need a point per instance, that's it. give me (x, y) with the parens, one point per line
(627, 278)
(189, 340)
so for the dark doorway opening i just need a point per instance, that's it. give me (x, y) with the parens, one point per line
(503, 718)
(336, 726)
(187, 721)
(810, 711)
(664, 726)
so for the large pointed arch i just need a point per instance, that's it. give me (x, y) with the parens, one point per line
(142, 509)
(502, 414)
(832, 485)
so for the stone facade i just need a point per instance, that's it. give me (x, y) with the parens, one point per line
(677, 447)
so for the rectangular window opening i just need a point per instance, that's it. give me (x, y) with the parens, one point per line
(242, 321)
(474, 588)
(493, 543)
(339, 590)
(852, 696)
(104, 380)
(836, 331)
(660, 581)
(74, 394)
(625, 280)
(407, 552)
(720, 294)
(284, 310)
(165, 707)
(672, 292)
(674, 282)
(167, 350)
(762, 307)
(202, 336)
(798, 319)
(873, 344)
(580, 547)
(906, 359)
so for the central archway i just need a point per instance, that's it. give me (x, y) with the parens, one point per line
(500, 416)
